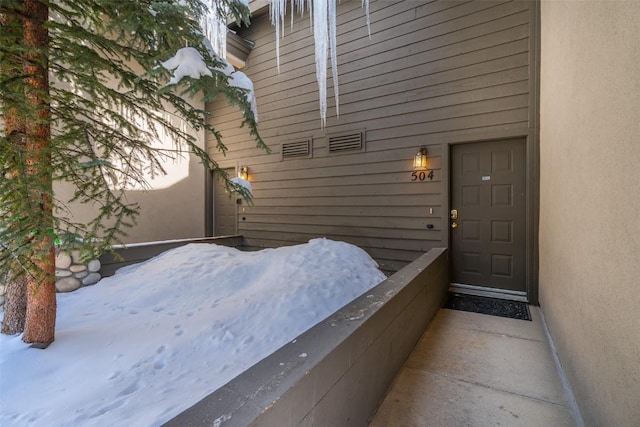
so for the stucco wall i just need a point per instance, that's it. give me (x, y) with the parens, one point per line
(168, 211)
(590, 201)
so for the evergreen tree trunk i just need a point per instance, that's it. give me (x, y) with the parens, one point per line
(15, 307)
(41, 291)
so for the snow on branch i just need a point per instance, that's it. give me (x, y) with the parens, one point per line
(187, 62)
(239, 182)
(240, 80)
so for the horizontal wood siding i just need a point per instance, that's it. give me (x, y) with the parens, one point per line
(432, 73)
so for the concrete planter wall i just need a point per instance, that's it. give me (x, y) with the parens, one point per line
(138, 252)
(338, 372)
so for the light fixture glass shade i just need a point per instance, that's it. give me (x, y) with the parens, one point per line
(243, 173)
(420, 159)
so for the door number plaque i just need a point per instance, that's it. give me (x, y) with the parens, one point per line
(422, 175)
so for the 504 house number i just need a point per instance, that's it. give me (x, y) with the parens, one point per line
(421, 175)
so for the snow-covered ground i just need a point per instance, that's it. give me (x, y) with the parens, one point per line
(140, 347)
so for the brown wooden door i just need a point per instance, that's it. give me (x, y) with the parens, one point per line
(225, 208)
(488, 238)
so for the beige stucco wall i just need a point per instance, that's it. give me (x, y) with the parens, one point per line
(590, 201)
(175, 211)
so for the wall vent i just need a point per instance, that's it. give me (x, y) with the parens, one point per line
(346, 142)
(296, 149)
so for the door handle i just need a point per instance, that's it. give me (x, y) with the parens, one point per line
(454, 214)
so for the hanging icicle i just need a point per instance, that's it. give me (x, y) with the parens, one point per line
(334, 54)
(292, 12)
(299, 5)
(214, 27)
(277, 10)
(323, 16)
(365, 4)
(321, 39)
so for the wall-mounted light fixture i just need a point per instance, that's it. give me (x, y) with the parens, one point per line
(243, 173)
(420, 159)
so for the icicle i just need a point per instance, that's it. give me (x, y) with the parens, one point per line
(277, 10)
(321, 37)
(299, 6)
(365, 4)
(214, 27)
(323, 24)
(334, 55)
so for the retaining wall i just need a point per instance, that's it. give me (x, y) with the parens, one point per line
(138, 252)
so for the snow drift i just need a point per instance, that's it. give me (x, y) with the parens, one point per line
(142, 346)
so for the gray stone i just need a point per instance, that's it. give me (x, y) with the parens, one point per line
(91, 279)
(67, 284)
(3, 289)
(40, 345)
(63, 273)
(76, 268)
(81, 274)
(1, 301)
(94, 265)
(63, 260)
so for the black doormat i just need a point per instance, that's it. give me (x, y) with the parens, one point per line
(492, 306)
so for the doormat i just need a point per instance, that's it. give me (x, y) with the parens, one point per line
(491, 306)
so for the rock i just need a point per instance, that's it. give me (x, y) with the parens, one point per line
(94, 265)
(76, 268)
(67, 284)
(75, 255)
(1, 301)
(81, 274)
(3, 289)
(63, 273)
(63, 260)
(91, 279)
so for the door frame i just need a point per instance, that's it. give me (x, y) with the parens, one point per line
(210, 199)
(532, 207)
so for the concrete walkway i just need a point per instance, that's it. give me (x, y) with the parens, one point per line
(473, 369)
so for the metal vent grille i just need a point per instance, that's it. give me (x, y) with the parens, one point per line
(296, 149)
(347, 142)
